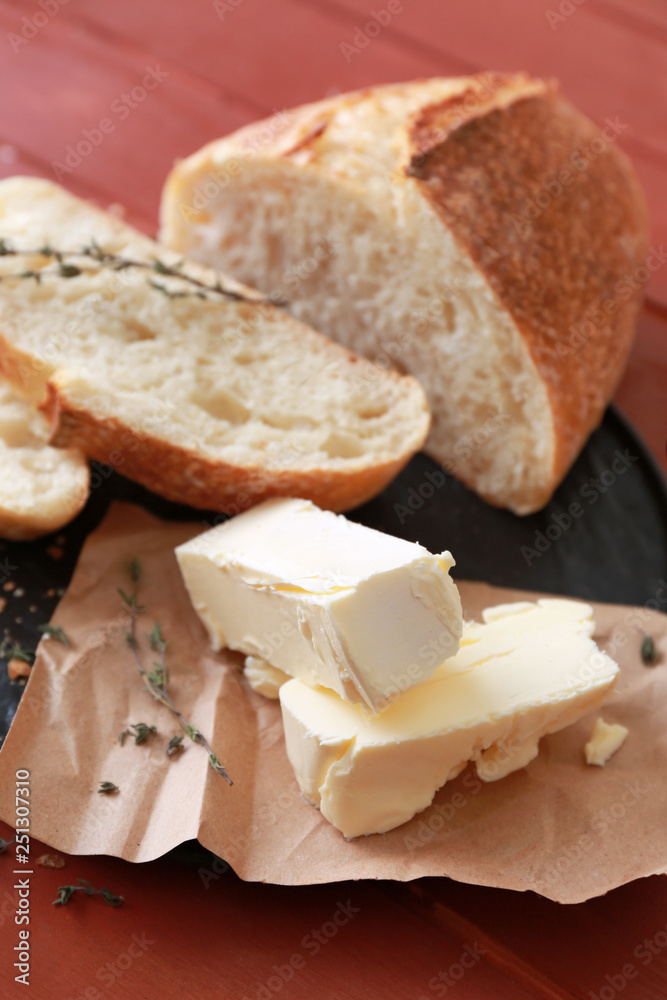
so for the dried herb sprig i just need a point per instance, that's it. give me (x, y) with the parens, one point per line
(141, 731)
(174, 745)
(56, 632)
(649, 653)
(4, 844)
(105, 260)
(11, 650)
(107, 788)
(65, 893)
(156, 680)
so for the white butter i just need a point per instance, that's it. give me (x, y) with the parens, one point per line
(531, 669)
(325, 599)
(604, 741)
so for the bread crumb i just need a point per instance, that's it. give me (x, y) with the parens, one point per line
(55, 552)
(604, 741)
(9, 586)
(51, 861)
(18, 668)
(3, 604)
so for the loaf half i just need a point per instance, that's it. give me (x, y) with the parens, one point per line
(182, 379)
(41, 488)
(477, 232)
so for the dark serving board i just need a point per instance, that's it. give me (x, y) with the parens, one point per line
(614, 548)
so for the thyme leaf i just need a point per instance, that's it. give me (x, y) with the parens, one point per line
(56, 632)
(66, 892)
(107, 788)
(649, 653)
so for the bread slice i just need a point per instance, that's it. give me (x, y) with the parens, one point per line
(477, 232)
(41, 488)
(184, 380)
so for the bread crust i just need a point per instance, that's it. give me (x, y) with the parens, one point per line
(488, 155)
(487, 168)
(187, 477)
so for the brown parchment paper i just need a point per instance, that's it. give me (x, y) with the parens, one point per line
(560, 827)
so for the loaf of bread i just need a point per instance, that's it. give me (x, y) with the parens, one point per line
(477, 232)
(41, 488)
(180, 378)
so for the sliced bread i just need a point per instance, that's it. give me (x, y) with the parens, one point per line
(184, 380)
(41, 488)
(477, 232)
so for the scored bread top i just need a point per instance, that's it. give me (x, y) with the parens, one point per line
(209, 400)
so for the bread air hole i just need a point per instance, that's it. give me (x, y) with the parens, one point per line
(372, 412)
(140, 330)
(339, 445)
(222, 405)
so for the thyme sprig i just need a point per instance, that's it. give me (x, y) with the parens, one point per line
(141, 732)
(65, 893)
(12, 650)
(174, 745)
(105, 260)
(56, 632)
(156, 681)
(4, 844)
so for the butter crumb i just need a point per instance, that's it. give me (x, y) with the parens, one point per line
(605, 740)
(264, 678)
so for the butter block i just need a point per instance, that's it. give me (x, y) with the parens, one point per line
(527, 670)
(324, 599)
(605, 739)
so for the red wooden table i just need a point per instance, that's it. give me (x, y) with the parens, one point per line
(171, 75)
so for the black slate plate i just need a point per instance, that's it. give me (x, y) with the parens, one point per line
(602, 537)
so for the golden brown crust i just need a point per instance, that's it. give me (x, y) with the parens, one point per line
(190, 478)
(550, 211)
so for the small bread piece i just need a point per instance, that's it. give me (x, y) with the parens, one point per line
(41, 488)
(212, 397)
(477, 232)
